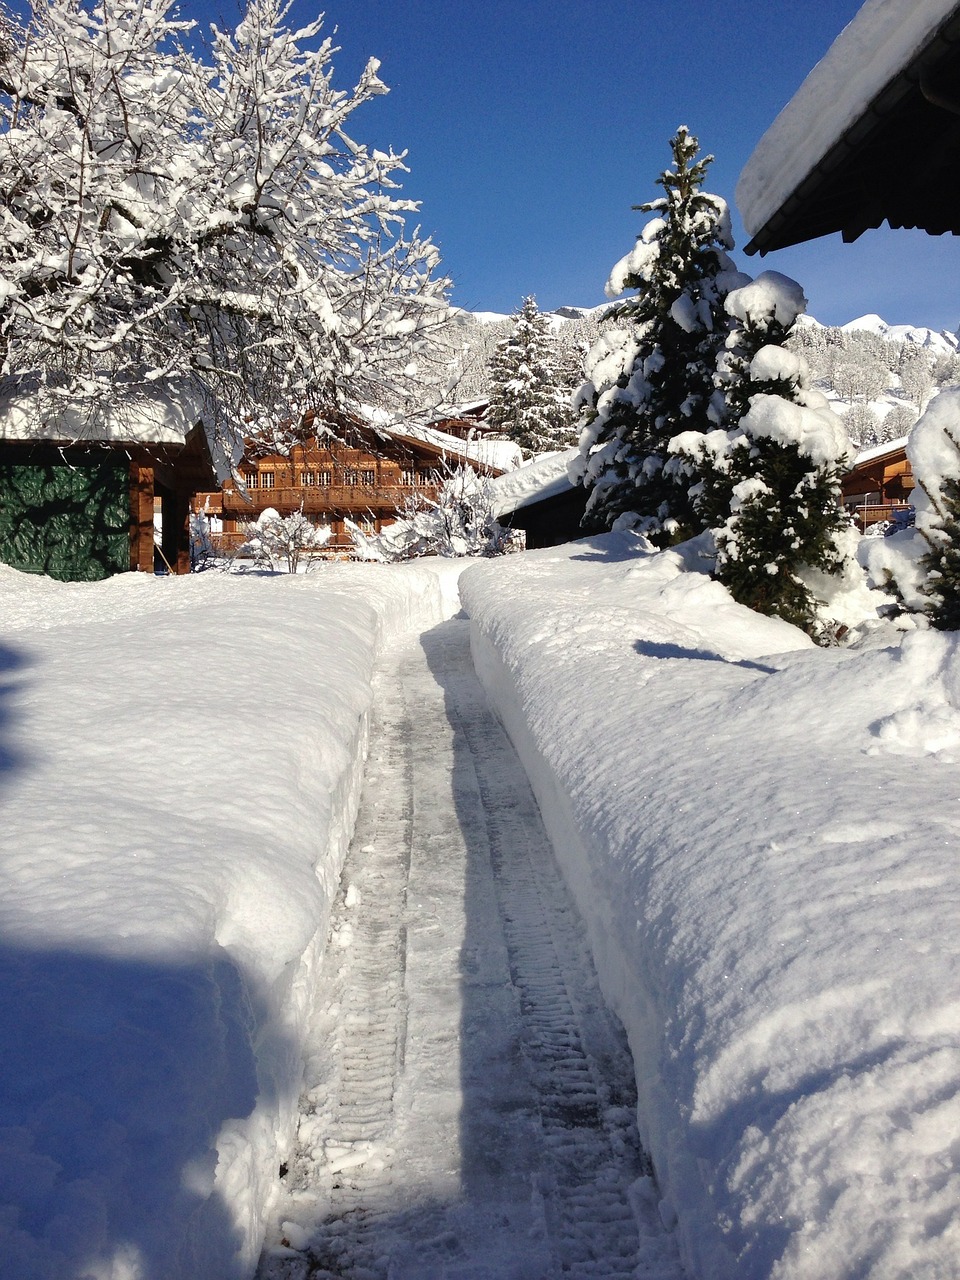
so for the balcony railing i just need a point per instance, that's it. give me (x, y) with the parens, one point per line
(871, 513)
(327, 498)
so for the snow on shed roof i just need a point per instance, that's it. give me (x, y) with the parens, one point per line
(543, 478)
(867, 106)
(161, 412)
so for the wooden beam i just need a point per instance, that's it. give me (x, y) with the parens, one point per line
(141, 516)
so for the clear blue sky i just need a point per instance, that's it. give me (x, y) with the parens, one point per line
(533, 126)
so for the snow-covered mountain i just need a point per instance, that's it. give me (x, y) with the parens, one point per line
(939, 341)
(942, 341)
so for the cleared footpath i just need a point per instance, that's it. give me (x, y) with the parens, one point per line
(468, 1111)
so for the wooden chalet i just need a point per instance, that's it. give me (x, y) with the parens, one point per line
(358, 472)
(879, 484)
(872, 135)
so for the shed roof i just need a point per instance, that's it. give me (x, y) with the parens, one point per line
(872, 134)
(166, 412)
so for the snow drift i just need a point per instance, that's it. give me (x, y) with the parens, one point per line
(761, 836)
(179, 769)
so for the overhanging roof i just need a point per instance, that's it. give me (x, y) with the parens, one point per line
(872, 135)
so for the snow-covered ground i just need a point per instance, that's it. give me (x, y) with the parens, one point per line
(180, 762)
(762, 838)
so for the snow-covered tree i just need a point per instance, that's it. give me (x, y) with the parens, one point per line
(933, 448)
(770, 482)
(916, 374)
(169, 214)
(862, 424)
(652, 375)
(529, 397)
(459, 521)
(897, 423)
(276, 540)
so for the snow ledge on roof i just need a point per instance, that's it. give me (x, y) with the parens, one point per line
(543, 478)
(162, 412)
(862, 60)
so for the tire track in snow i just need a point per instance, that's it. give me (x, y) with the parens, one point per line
(500, 1141)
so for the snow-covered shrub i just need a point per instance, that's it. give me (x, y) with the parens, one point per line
(458, 522)
(652, 376)
(195, 209)
(529, 401)
(276, 540)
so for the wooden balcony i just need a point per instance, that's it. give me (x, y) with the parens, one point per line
(867, 514)
(323, 499)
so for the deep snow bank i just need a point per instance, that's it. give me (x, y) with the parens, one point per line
(765, 852)
(179, 773)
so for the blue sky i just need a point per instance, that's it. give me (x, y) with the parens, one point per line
(533, 126)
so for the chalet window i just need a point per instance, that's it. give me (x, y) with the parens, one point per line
(425, 477)
(367, 524)
(324, 477)
(408, 477)
(267, 479)
(368, 478)
(250, 479)
(308, 478)
(351, 476)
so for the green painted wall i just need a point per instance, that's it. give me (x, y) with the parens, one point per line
(66, 518)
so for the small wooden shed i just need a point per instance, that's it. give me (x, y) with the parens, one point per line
(89, 489)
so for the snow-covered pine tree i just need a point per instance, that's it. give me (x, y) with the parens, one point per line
(652, 375)
(770, 482)
(529, 396)
(169, 215)
(933, 448)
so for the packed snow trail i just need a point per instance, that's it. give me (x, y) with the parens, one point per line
(469, 1103)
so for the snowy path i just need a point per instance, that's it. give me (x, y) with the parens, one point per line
(469, 1105)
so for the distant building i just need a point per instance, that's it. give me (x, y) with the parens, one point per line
(362, 474)
(879, 483)
(540, 499)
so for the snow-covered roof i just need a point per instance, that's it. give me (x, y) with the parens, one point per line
(501, 455)
(880, 451)
(161, 412)
(839, 116)
(543, 478)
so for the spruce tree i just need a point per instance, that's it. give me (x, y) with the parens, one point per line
(652, 372)
(770, 481)
(934, 452)
(942, 563)
(529, 401)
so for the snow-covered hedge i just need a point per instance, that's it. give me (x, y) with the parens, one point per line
(180, 763)
(764, 851)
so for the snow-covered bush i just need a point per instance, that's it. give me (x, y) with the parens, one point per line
(181, 208)
(529, 401)
(458, 522)
(276, 540)
(652, 376)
